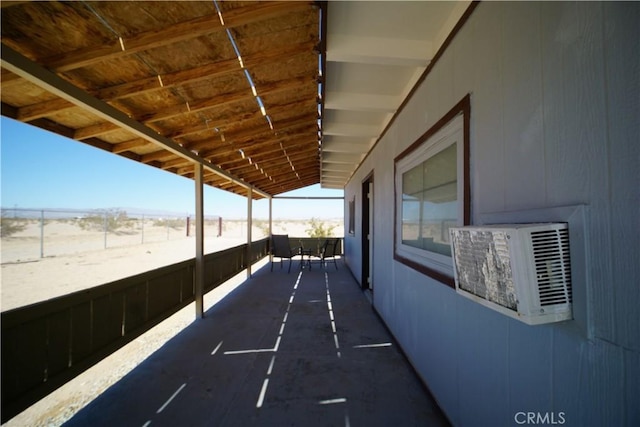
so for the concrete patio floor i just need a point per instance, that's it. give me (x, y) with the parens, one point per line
(298, 349)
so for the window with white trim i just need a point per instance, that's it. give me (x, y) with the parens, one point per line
(432, 195)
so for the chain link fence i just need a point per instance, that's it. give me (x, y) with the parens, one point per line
(29, 234)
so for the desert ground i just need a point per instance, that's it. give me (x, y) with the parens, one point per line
(39, 264)
(43, 262)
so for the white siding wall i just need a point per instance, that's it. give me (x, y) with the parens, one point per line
(555, 121)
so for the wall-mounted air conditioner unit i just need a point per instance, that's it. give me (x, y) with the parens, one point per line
(521, 270)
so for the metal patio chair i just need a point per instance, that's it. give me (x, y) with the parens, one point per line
(329, 251)
(281, 248)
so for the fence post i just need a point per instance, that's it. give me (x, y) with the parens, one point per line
(42, 233)
(105, 230)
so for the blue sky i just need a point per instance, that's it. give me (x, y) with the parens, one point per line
(41, 170)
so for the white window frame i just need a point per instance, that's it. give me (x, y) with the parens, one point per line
(451, 129)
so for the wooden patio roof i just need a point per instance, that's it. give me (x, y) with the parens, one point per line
(233, 85)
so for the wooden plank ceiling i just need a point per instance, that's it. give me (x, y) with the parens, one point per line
(185, 71)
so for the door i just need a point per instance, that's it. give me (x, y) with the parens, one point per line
(367, 233)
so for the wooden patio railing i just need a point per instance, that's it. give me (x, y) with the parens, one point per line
(314, 243)
(46, 344)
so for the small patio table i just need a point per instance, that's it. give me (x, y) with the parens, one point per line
(305, 252)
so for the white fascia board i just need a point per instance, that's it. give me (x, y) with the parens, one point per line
(345, 147)
(351, 129)
(379, 50)
(332, 185)
(345, 158)
(340, 182)
(338, 100)
(336, 170)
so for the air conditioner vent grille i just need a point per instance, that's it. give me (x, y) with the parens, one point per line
(552, 265)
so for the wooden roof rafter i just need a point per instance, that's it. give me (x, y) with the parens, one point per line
(274, 149)
(107, 127)
(224, 99)
(251, 148)
(255, 136)
(161, 82)
(243, 168)
(271, 155)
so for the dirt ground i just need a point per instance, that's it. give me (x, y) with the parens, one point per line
(76, 261)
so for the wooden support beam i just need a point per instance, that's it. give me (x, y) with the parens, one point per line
(172, 34)
(95, 130)
(129, 145)
(249, 227)
(225, 99)
(208, 71)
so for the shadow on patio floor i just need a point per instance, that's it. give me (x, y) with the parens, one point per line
(299, 349)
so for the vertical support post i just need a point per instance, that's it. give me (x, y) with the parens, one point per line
(199, 272)
(270, 227)
(270, 216)
(249, 225)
